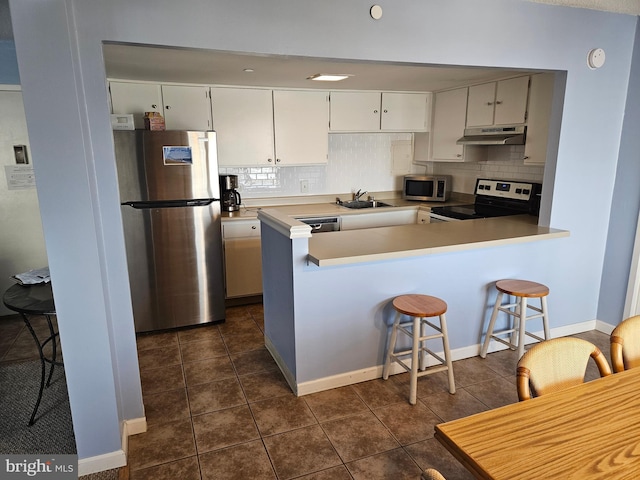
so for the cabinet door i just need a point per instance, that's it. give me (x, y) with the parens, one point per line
(449, 114)
(481, 103)
(243, 119)
(540, 103)
(186, 107)
(355, 111)
(136, 98)
(301, 123)
(242, 258)
(511, 101)
(405, 112)
(243, 267)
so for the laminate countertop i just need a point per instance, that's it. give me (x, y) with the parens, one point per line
(403, 241)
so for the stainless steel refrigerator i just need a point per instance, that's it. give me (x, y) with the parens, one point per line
(169, 194)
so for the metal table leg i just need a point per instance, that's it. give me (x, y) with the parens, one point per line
(43, 359)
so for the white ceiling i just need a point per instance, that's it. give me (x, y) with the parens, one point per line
(173, 65)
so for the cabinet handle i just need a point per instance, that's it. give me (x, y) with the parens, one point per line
(168, 107)
(489, 103)
(385, 111)
(375, 111)
(269, 160)
(525, 157)
(253, 227)
(277, 160)
(459, 155)
(498, 102)
(154, 106)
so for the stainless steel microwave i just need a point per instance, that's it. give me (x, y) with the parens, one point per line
(426, 188)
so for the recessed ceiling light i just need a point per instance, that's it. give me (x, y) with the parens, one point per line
(248, 70)
(329, 77)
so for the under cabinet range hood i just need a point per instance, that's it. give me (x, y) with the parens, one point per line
(506, 135)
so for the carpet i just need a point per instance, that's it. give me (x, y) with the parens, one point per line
(52, 433)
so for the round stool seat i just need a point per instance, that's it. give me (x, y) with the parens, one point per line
(522, 288)
(416, 305)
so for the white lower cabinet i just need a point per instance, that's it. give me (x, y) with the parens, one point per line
(387, 218)
(242, 258)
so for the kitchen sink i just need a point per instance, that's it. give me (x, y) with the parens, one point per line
(364, 204)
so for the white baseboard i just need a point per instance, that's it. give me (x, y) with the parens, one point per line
(371, 373)
(109, 461)
(100, 463)
(130, 427)
(604, 327)
(288, 376)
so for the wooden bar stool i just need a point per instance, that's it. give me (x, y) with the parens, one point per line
(522, 290)
(419, 308)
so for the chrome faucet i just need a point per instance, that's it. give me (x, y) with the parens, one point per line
(358, 194)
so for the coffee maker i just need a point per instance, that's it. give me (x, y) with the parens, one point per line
(229, 197)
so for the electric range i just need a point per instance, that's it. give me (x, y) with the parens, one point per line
(494, 198)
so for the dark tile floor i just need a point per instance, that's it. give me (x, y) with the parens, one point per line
(218, 408)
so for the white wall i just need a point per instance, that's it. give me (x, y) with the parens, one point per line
(58, 43)
(21, 238)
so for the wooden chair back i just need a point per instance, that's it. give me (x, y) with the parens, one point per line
(557, 364)
(625, 345)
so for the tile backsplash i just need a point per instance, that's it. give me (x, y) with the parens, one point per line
(506, 163)
(370, 162)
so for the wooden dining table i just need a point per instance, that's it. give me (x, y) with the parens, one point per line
(590, 431)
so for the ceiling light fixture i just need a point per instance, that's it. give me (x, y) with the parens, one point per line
(329, 77)
(248, 70)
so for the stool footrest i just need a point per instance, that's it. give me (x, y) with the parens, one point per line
(509, 344)
(432, 369)
(427, 337)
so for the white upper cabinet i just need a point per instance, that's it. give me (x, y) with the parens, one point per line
(265, 127)
(375, 112)
(540, 102)
(355, 111)
(449, 115)
(481, 104)
(243, 120)
(405, 112)
(186, 107)
(136, 98)
(183, 107)
(301, 124)
(498, 103)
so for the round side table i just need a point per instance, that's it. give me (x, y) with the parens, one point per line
(32, 300)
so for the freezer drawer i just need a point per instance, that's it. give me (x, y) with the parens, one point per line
(175, 266)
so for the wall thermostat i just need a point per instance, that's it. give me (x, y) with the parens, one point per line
(376, 12)
(595, 58)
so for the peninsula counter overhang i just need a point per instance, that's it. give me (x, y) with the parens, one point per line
(386, 243)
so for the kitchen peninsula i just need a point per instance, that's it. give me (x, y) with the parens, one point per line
(327, 297)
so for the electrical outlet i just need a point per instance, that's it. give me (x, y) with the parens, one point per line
(304, 186)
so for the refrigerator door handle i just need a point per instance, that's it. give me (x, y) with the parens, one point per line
(197, 202)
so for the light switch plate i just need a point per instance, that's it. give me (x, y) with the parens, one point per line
(20, 154)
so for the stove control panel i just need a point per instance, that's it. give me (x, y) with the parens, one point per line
(514, 190)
